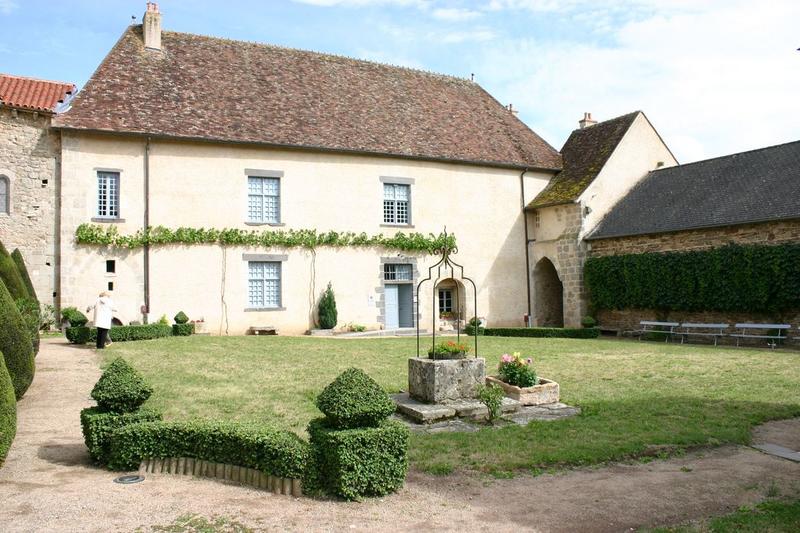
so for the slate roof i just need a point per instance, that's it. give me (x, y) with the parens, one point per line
(757, 186)
(584, 155)
(33, 94)
(213, 89)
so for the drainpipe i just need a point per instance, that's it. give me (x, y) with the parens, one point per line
(527, 241)
(146, 307)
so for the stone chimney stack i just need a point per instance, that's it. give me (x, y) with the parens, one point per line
(586, 121)
(151, 26)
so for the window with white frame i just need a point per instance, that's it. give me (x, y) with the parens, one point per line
(5, 203)
(396, 201)
(397, 272)
(263, 200)
(108, 194)
(264, 284)
(445, 301)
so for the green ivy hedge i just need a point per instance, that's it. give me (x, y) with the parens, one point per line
(566, 333)
(733, 278)
(98, 426)
(84, 334)
(273, 451)
(95, 234)
(8, 411)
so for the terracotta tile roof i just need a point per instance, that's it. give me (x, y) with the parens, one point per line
(584, 154)
(231, 91)
(33, 94)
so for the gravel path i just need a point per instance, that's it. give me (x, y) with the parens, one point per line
(47, 483)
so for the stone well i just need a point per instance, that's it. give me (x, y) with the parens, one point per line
(443, 380)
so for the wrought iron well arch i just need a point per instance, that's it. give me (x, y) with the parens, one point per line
(444, 264)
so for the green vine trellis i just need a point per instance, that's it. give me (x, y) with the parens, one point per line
(95, 234)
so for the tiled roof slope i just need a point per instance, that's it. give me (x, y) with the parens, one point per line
(756, 186)
(33, 94)
(221, 90)
(584, 154)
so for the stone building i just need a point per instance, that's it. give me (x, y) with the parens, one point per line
(745, 198)
(29, 171)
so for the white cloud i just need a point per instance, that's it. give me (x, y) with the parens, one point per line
(715, 80)
(361, 3)
(7, 6)
(453, 14)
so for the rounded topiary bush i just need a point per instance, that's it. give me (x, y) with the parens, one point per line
(10, 275)
(15, 344)
(121, 389)
(181, 318)
(588, 322)
(75, 318)
(354, 400)
(16, 256)
(8, 411)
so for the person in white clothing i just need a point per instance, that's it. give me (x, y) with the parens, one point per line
(103, 314)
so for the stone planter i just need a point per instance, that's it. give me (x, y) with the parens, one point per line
(440, 380)
(545, 392)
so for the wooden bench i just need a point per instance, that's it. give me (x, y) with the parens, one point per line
(746, 332)
(262, 330)
(648, 326)
(694, 329)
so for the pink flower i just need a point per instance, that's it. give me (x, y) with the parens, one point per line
(530, 361)
(505, 358)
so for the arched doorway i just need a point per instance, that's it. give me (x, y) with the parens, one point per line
(450, 305)
(548, 295)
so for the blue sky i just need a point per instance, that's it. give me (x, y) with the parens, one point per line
(714, 76)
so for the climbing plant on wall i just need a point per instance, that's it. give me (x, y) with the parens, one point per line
(733, 278)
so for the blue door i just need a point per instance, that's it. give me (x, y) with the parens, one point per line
(391, 307)
(405, 305)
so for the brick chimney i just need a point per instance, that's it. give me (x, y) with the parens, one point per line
(151, 26)
(586, 121)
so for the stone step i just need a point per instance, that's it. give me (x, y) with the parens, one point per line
(427, 413)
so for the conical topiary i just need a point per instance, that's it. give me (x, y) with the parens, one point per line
(354, 400)
(16, 256)
(15, 343)
(121, 389)
(327, 309)
(181, 318)
(8, 411)
(10, 275)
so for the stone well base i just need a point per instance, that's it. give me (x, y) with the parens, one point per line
(441, 380)
(546, 392)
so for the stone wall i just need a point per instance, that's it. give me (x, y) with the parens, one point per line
(29, 153)
(778, 232)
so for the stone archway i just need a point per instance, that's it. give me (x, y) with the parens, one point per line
(450, 301)
(548, 295)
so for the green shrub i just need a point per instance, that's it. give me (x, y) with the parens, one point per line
(273, 451)
(182, 330)
(76, 318)
(181, 318)
(31, 316)
(15, 344)
(82, 335)
(567, 333)
(473, 326)
(10, 275)
(163, 321)
(121, 388)
(517, 371)
(8, 411)
(588, 322)
(98, 425)
(492, 397)
(733, 278)
(16, 256)
(327, 309)
(353, 463)
(354, 399)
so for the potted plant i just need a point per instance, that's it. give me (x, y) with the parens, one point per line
(449, 350)
(518, 379)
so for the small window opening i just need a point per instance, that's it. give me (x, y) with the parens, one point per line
(111, 266)
(111, 285)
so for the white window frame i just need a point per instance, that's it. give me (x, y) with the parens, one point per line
(445, 298)
(264, 176)
(391, 272)
(396, 212)
(264, 280)
(111, 209)
(5, 198)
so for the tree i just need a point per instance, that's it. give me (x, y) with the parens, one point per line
(15, 344)
(16, 256)
(327, 309)
(9, 274)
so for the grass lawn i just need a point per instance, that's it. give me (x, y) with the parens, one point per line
(769, 516)
(633, 394)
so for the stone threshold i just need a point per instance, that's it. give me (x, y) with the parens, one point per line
(778, 451)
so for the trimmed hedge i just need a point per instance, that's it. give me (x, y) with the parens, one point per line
(566, 333)
(10, 275)
(732, 278)
(98, 425)
(84, 334)
(15, 344)
(8, 411)
(32, 317)
(352, 463)
(273, 451)
(181, 318)
(76, 318)
(16, 256)
(182, 330)
(121, 388)
(354, 399)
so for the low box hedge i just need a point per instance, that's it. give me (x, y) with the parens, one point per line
(84, 334)
(272, 451)
(567, 333)
(98, 425)
(182, 330)
(352, 463)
